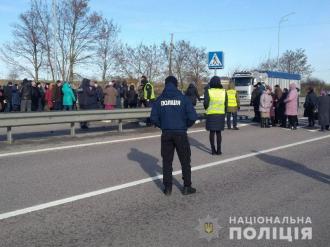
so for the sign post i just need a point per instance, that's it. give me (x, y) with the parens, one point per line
(216, 60)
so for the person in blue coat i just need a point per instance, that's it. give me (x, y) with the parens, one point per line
(174, 113)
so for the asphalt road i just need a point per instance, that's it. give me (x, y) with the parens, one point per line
(97, 191)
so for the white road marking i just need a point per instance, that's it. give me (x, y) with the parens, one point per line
(42, 150)
(312, 130)
(146, 180)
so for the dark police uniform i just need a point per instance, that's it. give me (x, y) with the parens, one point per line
(174, 114)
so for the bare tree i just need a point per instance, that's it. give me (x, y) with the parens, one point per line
(152, 57)
(127, 62)
(13, 75)
(180, 57)
(106, 46)
(197, 64)
(292, 61)
(26, 51)
(77, 30)
(46, 34)
(269, 64)
(141, 60)
(295, 62)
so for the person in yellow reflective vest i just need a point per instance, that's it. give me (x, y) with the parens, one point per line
(232, 106)
(149, 93)
(147, 96)
(215, 101)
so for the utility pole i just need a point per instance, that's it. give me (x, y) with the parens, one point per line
(283, 19)
(170, 56)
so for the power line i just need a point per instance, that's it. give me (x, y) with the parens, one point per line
(252, 28)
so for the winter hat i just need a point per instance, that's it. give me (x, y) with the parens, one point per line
(171, 79)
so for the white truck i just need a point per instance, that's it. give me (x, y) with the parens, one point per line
(245, 80)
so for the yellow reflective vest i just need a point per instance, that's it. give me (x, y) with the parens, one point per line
(232, 101)
(217, 101)
(145, 91)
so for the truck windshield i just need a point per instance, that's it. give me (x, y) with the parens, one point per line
(243, 81)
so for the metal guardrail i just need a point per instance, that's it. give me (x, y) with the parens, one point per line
(10, 120)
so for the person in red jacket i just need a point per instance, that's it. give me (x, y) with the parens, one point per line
(49, 96)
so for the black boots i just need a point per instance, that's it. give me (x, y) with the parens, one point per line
(167, 191)
(213, 151)
(216, 151)
(264, 123)
(187, 190)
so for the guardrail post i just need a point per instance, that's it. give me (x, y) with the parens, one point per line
(72, 129)
(9, 135)
(120, 126)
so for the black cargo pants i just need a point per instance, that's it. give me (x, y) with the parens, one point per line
(179, 142)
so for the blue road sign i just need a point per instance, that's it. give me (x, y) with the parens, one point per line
(215, 60)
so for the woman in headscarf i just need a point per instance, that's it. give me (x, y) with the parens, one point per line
(310, 106)
(279, 108)
(324, 109)
(266, 103)
(291, 106)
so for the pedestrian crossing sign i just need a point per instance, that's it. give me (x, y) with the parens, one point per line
(215, 60)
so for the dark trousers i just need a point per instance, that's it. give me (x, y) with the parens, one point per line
(8, 107)
(229, 114)
(293, 121)
(169, 143)
(58, 106)
(256, 113)
(26, 105)
(219, 139)
(311, 121)
(67, 107)
(284, 121)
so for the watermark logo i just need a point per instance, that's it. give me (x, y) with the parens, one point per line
(208, 228)
(241, 228)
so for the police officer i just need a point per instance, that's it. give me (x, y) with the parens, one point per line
(232, 106)
(174, 114)
(148, 92)
(215, 103)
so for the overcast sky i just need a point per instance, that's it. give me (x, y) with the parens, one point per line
(246, 30)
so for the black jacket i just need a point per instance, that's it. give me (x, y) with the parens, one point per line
(192, 93)
(87, 95)
(310, 101)
(172, 111)
(8, 93)
(132, 97)
(26, 90)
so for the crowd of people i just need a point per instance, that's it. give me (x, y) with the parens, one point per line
(280, 107)
(272, 107)
(35, 96)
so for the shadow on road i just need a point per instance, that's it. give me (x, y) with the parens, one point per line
(294, 166)
(195, 143)
(150, 166)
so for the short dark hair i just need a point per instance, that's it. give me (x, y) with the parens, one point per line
(215, 82)
(171, 79)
